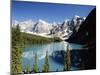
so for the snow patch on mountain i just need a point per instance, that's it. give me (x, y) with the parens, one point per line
(42, 27)
(45, 29)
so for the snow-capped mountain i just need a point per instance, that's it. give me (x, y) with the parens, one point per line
(76, 22)
(25, 25)
(62, 30)
(42, 27)
(64, 26)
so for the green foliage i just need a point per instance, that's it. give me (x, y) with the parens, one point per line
(56, 39)
(46, 65)
(34, 39)
(16, 66)
(67, 61)
(20, 39)
(46, 58)
(35, 69)
(16, 36)
(28, 68)
(45, 68)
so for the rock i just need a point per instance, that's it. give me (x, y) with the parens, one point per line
(87, 30)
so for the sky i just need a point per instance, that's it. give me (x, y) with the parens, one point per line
(50, 12)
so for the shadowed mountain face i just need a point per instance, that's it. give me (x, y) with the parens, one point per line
(86, 35)
(87, 31)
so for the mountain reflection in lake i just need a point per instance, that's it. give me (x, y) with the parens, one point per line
(29, 53)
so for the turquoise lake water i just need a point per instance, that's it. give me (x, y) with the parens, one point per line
(29, 53)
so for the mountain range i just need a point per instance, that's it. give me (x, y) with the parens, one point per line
(41, 27)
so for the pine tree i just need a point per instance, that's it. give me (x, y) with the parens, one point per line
(35, 68)
(46, 65)
(16, 66)
(16, 36)
(28, 69)
(67, 61)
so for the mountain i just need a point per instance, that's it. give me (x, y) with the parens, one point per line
(42, 27)
(87, 30)
(59, 30)
(25, 26)
(86, 35)
(76, 22)
(62, 30)
(64, 26)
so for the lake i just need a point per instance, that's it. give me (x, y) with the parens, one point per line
(29, 53)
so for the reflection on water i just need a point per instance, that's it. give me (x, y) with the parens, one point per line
(29, 53)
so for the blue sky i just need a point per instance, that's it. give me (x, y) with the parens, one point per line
(22, 11)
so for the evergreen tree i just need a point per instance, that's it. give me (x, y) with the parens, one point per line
(67, 62)
(16, 66)
(35, 68)
(16, 36)
(46, 65)
(28, 69)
